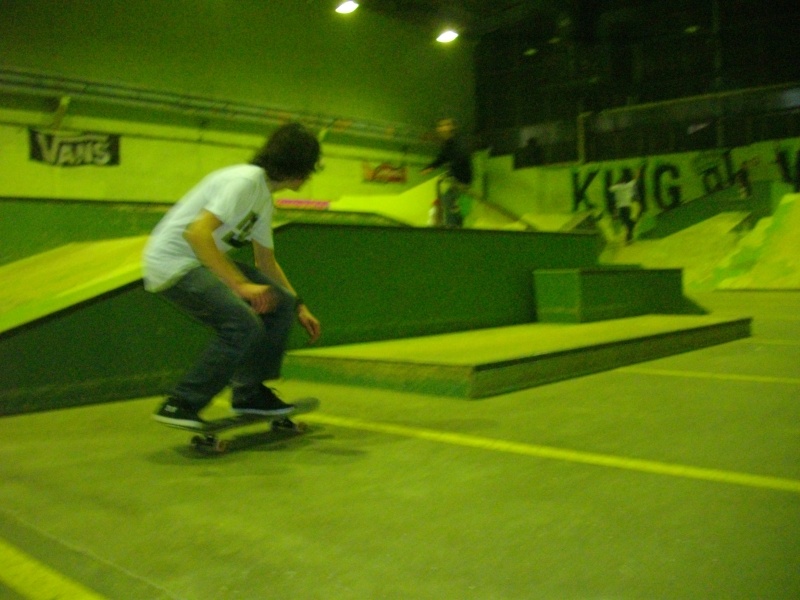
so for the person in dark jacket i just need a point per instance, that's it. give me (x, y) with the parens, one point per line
(455, 156)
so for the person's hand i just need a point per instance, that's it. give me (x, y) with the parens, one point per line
(262, 298)
(309, 322)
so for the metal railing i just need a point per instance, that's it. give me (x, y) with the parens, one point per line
(63, 91)
(713, 121)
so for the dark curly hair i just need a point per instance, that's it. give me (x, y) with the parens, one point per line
(291, 152)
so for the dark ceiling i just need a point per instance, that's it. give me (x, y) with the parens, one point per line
(585, 20)
(473, 18)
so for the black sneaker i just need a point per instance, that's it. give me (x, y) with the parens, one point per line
(266, 403)
(178, 412)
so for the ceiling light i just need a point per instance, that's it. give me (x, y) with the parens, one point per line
(347, 7)
(447, 36)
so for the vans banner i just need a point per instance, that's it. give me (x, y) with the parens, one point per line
(74, 149)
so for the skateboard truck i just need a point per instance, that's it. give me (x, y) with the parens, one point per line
(210, 441)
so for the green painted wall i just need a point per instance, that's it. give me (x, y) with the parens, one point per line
(293, 54)
(369, 283)
(596, 294)
(160, 163)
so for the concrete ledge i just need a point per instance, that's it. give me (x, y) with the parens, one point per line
(593, 294)
(436, 379)
(497, 378)
(488, 362)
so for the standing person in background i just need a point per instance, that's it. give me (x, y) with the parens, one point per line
(742, 179)
(249, 308)
(455, 155)
(625, 192)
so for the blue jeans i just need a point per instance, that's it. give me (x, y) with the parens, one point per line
(247, 348)
(451, 211)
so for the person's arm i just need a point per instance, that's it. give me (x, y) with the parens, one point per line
(267, 264)
(440, 160)
(200, 235)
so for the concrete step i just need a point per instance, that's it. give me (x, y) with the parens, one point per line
(487, 362)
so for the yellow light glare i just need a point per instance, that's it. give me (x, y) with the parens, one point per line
(447, 36)
(347, 7)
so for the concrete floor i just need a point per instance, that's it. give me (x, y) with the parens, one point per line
(677, 479)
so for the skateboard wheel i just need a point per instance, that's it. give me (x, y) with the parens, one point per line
(283, 425)
(203, 442)
(289, 425)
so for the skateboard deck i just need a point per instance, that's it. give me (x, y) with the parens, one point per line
(207, 438)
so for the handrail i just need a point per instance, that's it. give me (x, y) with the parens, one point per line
(716, 109)
(696, 99)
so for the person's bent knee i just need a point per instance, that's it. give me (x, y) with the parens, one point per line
(241, 327)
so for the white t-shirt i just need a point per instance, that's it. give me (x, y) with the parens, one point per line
(624, 193)
(237, 195)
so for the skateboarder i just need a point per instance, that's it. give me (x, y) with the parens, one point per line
(624, 195)
(455, 155)
(250, 309)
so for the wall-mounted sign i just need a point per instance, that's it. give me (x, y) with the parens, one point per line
(384, 173)
(302, 203)
(74, 149)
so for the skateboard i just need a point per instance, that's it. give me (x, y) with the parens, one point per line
(207, 437)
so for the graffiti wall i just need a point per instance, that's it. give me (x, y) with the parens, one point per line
(663, 182)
